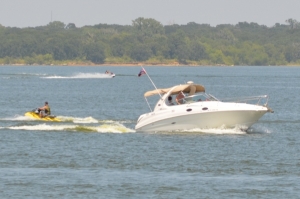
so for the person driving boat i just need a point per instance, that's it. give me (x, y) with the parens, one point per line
(44, 111)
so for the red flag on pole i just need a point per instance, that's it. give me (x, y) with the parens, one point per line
(142, 72)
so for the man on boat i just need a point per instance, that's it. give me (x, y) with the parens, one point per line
(45, 110)
(180, 98)
(170, 102)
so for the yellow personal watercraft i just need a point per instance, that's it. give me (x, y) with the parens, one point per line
(35, 114)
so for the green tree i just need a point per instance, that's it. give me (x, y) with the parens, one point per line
(292, 53)
(176, 43)
(140, 52)
(197, 52)
(117, 48)
(147, 27)
(56, 25)
(95, 53)
(70, 26)
(292, 23)
(217, 57)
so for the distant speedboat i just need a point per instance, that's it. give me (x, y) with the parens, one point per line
(196, 109)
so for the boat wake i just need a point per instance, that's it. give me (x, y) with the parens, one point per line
(257, 129)
(104, 128)
(20, 75)
(238, 130)
(77, 120)
(72, 124)
(86, 120)
(81, 76)
(234, 131)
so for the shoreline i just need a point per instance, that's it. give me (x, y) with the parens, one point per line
(111, 65)
(138, 64)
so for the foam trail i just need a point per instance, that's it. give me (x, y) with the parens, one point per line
(42, 127)
(18, 118)
(257, 129)
(116, 128)
(81, 76)
(22, 75)
(77, 120)
(86, 120)
(241, 130)
(219, 131)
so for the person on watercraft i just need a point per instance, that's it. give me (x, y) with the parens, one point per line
(44, 111)
(180, 98)
(108, 72)
(170, 102)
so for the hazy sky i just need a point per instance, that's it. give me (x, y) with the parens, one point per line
(32, 13)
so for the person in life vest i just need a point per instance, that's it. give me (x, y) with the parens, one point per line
(45, 110)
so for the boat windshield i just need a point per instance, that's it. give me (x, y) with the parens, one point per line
(200, 97)
(195, 98)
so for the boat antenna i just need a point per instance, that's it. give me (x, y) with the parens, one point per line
(151, 81)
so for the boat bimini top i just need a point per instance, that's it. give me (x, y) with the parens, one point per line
(189, 88)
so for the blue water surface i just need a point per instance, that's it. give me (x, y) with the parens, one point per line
(96, 153)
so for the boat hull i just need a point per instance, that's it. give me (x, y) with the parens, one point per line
(202, 118)
(47, 118)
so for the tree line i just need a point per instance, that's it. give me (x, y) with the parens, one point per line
(148, 41)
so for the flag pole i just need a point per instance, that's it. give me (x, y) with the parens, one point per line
(148, 104)
(151, 81)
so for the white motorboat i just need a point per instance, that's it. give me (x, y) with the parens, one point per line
(199, 110)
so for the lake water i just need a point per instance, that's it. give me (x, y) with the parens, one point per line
(96, 153)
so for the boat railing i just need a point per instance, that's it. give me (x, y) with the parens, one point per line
(257, 100)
